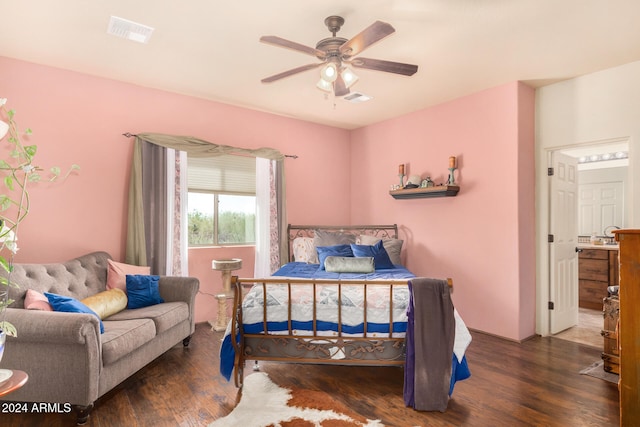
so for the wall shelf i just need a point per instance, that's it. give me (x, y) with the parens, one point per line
(419, 193)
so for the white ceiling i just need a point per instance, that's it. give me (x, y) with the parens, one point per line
(210, 48)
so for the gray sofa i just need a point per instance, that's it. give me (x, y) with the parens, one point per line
(64, 354)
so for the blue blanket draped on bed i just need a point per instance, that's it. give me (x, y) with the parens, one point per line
(459, 368)
(312, 271)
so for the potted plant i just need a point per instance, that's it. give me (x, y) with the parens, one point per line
(17, 170)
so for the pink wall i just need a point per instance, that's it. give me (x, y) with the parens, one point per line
(484, 237)
(77, 118)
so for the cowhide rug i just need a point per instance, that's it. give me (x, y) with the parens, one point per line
(265, 404)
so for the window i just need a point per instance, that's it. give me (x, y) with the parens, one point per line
(222, 200)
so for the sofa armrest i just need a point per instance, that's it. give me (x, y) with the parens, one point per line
(60, 352)
(177, 288)
(53, 327)
(174, 288)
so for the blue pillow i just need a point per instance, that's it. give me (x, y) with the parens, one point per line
(142, 291)
(71, 305)
(335, 250)
(378, 252)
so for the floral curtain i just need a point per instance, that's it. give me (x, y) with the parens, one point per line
(271, 217)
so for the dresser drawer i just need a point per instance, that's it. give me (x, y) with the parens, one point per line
(594, 269)
(594, 254)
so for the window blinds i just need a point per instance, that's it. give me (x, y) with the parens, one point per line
(222, 174)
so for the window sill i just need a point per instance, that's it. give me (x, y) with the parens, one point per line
(222, 246)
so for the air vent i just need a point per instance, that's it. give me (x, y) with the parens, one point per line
(357, 97)
(129, 30)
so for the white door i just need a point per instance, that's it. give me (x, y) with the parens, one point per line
(563, 262)
(600, 205)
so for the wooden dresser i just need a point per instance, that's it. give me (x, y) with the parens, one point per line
(629, 329)
(597, 269)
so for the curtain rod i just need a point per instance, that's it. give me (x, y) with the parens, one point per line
(129, 135)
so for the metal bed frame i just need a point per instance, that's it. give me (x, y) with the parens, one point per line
(313, 348)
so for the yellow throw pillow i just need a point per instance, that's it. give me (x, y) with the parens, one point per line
(107, 303)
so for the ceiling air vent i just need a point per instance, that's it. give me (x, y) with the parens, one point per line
(129, 30)
(357, 97)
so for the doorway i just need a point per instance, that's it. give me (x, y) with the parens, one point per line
(602, 176)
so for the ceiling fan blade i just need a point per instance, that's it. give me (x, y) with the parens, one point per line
(339, 87)
(280, 42)
(290, 72)
(386, 66)
(373, 33)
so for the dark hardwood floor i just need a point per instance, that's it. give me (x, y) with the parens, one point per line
(533, 383)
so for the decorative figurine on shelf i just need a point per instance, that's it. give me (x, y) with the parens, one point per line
(426, 183)
(401, 174)
(413, 182)
(452, 167)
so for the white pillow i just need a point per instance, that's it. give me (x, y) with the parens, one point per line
(304, 250)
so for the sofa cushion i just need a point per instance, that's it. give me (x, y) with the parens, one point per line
(164, 316)
(34, 300)
(122, 337)
(117, 273)
(70, 305)
(106, 303)
(143, 291)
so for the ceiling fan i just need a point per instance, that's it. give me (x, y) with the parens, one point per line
(336, 53)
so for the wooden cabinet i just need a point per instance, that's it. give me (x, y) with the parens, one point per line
(597, 269)
(629, 327)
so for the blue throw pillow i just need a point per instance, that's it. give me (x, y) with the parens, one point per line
(142, 290)
(70, 305)
(335, 250)
(378, 252)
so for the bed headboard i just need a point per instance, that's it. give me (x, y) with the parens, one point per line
(389, 231)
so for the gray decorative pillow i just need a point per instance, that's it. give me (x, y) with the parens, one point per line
(392, 246)
(330, 238)
(339, 264)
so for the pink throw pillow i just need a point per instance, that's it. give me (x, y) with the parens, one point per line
(117, 274)
(34, 300)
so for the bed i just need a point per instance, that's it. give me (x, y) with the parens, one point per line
(315, 311)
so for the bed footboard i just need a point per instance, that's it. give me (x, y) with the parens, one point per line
(341, 346)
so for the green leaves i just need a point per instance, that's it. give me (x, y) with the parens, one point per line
(5, 202)
(8, 182)
(9, 329)
(16, 170)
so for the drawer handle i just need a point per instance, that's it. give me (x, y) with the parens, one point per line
(579, 250)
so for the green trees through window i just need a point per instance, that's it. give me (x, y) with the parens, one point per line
(221, 219)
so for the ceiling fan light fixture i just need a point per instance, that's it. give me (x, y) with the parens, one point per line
(325, 85)
(349, 77)
(329, 72)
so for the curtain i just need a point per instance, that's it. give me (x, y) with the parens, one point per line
(157, 200)
(271, 217)
(262, 267)
(157, 235)
(156, 212)
(281, 212)
(177, 193)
